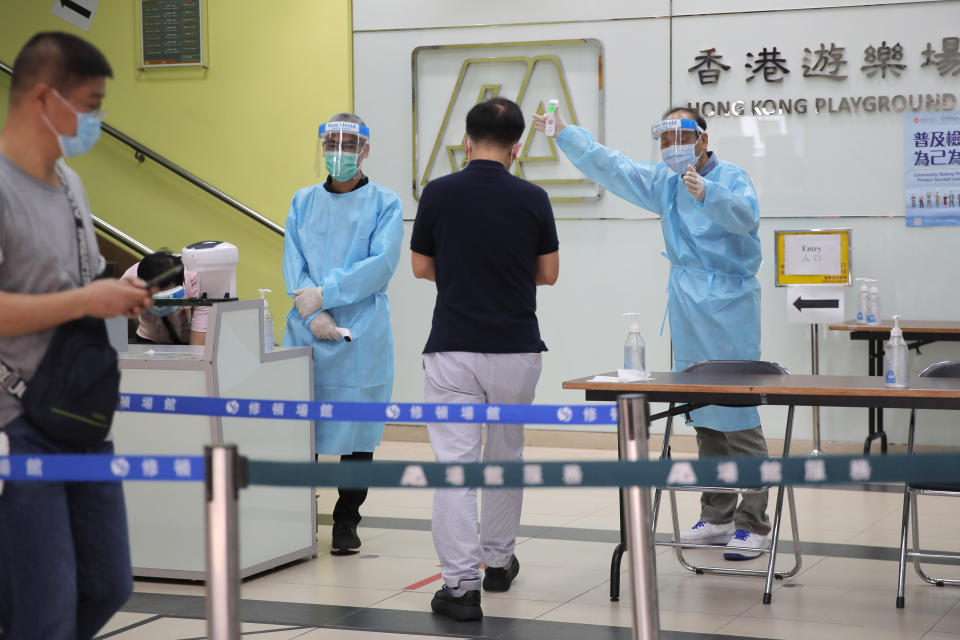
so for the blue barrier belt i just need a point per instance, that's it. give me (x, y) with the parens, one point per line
(100, 468)
(370, 411)
(940, 468)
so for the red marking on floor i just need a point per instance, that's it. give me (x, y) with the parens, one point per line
(423, 583)
(426, 581)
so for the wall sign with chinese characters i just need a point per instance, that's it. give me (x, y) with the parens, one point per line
(814, 257)
(932, 181)
(833, 63)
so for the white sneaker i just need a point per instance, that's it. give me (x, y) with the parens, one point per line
(706, 533)
(745, 540)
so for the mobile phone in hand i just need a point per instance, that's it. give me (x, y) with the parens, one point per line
(163, 277)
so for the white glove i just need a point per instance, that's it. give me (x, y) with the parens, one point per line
(540, 122)
(308, 301)
(695, 183)
(323, 327)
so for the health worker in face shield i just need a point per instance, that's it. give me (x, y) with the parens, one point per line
(709, 215)
(341, 248)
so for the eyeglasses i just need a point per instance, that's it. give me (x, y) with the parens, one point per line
(346, 145)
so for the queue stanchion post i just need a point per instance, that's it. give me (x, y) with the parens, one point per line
(633, 427)
(225, 474)
(815, 370)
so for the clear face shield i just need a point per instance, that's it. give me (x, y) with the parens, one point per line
(679, 138)
(339, 146)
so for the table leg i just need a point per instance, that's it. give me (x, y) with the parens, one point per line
(617, 557)
(618, 552)
(875, 415)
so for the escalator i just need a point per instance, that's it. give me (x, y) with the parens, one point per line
(143, 202)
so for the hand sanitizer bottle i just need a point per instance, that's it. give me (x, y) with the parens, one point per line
(634, 349)
(862, 301)
(267, 321)
(895, 358)
(873, 304)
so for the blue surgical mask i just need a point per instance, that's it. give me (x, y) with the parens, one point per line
(88, 132)
(342, 165)
(172, 293)
(679, 156)
(162, 312)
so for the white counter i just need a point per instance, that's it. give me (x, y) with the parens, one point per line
(166, 519)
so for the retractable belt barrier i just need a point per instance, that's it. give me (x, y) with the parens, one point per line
(938, 468)
(739, 472)
(224, 472)
(370, 411)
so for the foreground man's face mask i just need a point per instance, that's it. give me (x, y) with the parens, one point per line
(679, 139)
(88, 131)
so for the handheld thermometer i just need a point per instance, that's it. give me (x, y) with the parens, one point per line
(551, 125)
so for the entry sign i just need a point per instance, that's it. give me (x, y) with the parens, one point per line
(818, 256)
(817, 304)
(79, 13)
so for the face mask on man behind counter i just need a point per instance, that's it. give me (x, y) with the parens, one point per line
(342, 166)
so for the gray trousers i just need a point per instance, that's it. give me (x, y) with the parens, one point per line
(462, 377)
(720, 508)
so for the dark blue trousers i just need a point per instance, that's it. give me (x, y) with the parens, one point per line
(64, 551)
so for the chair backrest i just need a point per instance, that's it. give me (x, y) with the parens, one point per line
(948, 369)
(754, 367)
(757, 367)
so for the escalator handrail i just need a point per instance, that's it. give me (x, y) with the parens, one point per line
(142, 149)
(131, 243)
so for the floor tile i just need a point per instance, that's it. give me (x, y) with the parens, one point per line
(812, 630)
(491, 605)
(858, 607)
(950, 623)
(123, 619)
(183, 629)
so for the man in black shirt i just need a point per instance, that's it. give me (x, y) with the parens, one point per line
(487, 239)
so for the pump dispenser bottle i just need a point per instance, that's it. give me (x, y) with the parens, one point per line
(862, 301)
(873, 304)
(267, 321)
(895, 358)
(634, 349)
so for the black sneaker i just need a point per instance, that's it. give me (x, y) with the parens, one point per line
(462, 609)
(345, 539)
(499, 578)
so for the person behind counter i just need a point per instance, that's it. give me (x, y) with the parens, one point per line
(169, 325)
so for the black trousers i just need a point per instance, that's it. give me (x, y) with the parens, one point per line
(347, 508)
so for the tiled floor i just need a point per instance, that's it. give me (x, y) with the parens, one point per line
(846, 589)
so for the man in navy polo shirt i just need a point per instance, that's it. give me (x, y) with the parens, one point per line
(487, 238)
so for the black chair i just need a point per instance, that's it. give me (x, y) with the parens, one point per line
(735, 368)
(910, 493)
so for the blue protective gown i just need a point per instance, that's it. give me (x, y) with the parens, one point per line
(349, 244)
(713, 247)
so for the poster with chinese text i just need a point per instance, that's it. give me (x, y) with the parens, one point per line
(932, 180)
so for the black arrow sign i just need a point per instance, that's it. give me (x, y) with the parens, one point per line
(802, 304)
(78, 8)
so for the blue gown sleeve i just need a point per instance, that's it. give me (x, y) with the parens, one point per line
(734, 207)
(296, 275)
(351, 284)
(638, 182)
